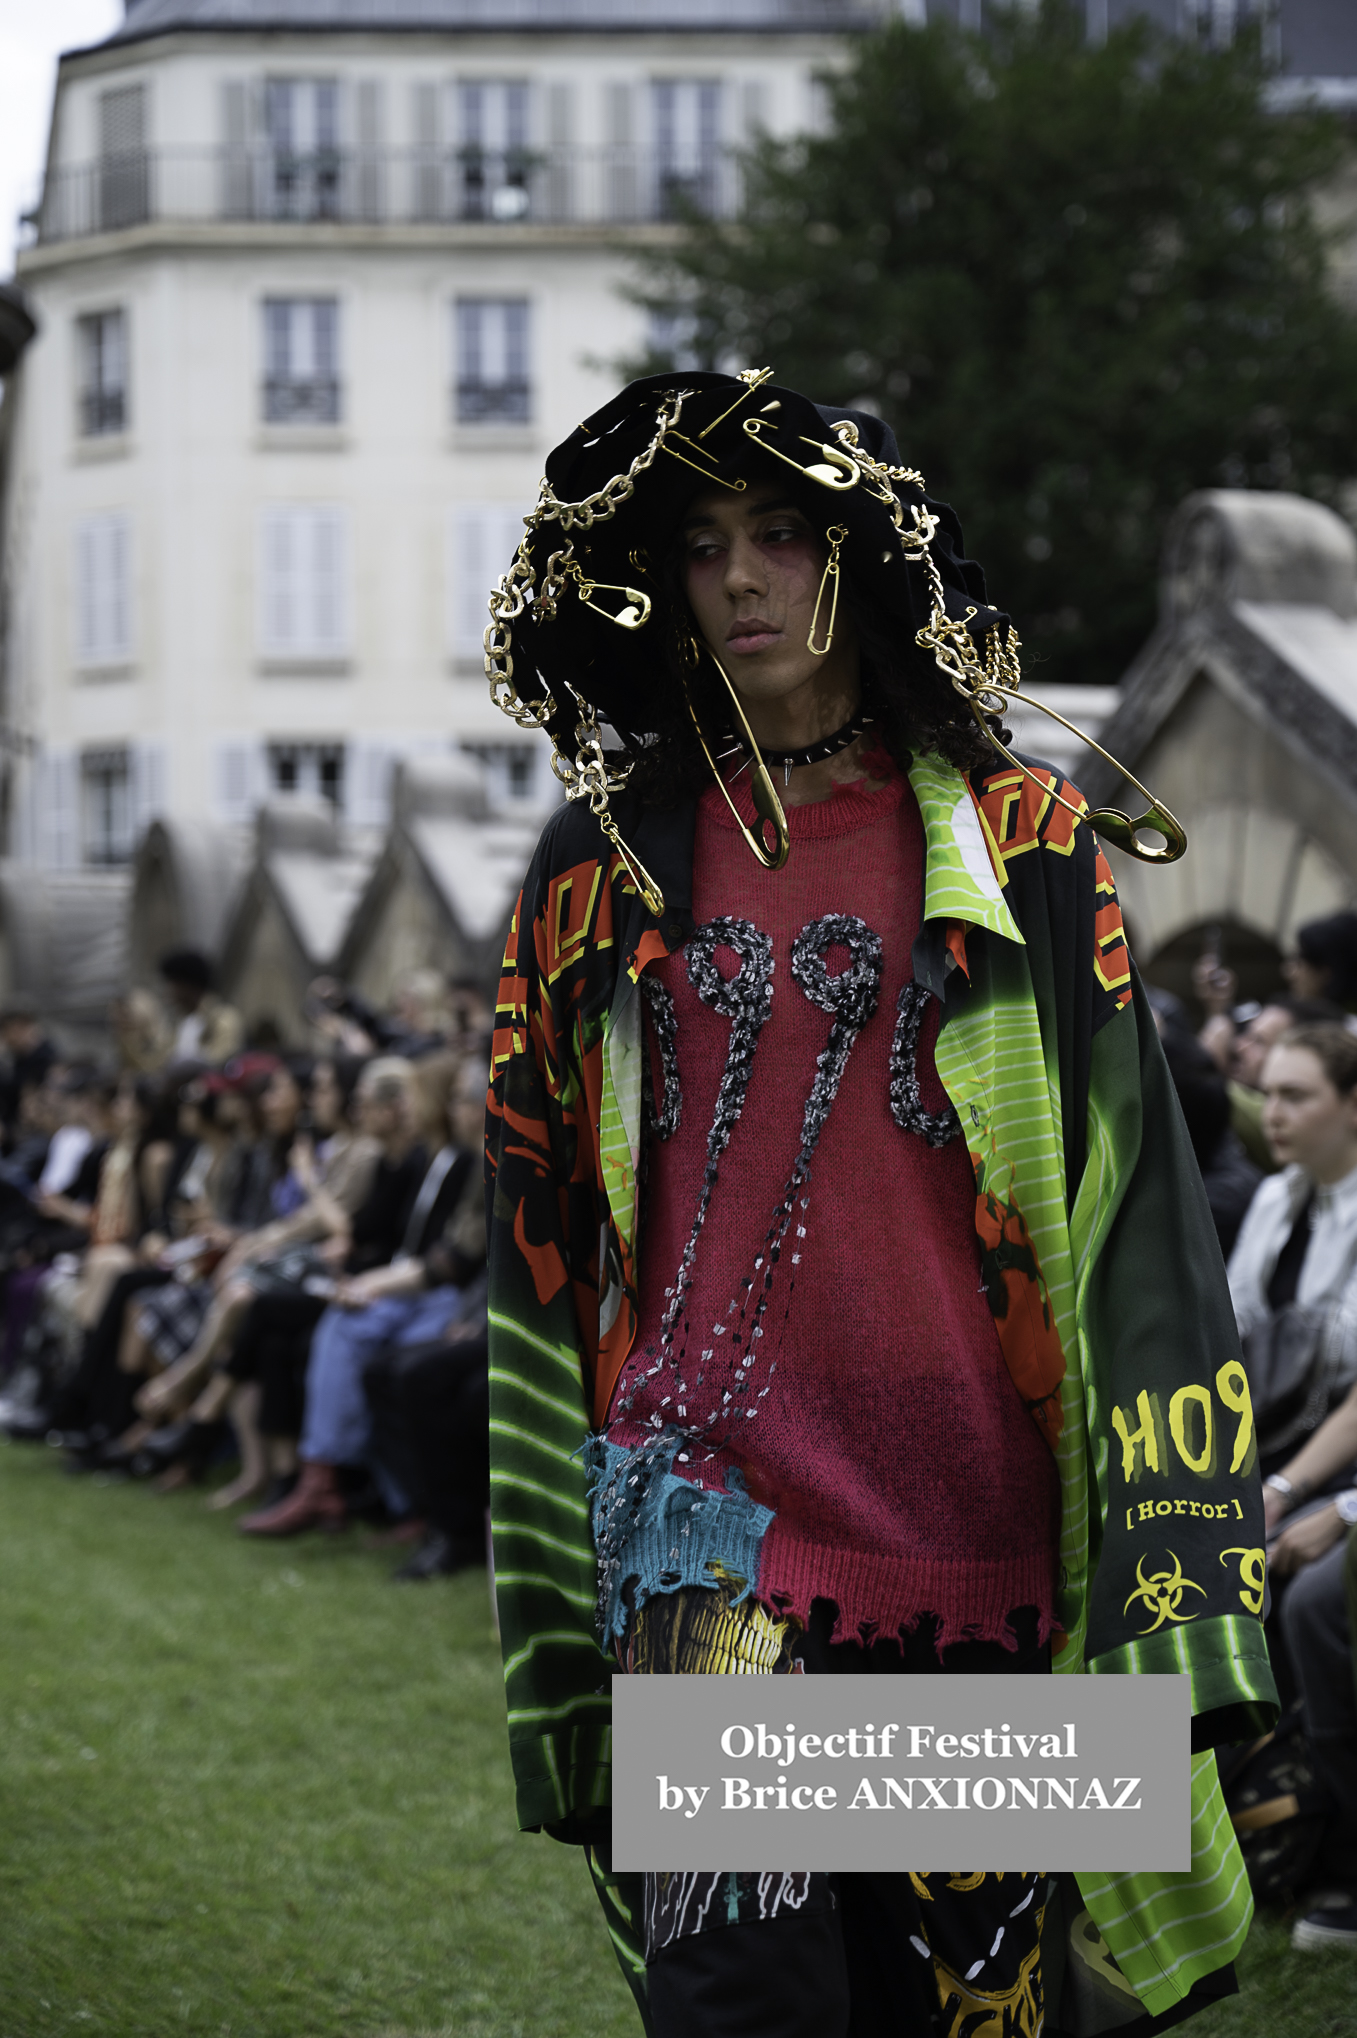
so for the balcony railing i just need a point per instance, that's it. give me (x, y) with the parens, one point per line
(301, 400)
(102, 411)
(482, 402)
(568, 186)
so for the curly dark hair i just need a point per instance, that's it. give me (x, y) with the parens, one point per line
(913, 705)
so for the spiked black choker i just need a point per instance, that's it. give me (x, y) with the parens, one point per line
(814, 753)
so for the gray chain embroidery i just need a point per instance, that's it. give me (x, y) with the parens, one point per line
(907, 1108)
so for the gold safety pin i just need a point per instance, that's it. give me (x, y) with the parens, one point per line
(830, 577)
(707, 473)
(633, 617)
(766, 802)
(753, 378)
(835, 471)
(1109, 821)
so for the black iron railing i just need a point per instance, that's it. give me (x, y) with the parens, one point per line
(563, 186)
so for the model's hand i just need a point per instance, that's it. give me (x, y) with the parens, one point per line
(1306, 1540)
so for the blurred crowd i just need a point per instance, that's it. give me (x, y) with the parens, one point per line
(1269, 1093)
(264, 1272)
(221, 1261)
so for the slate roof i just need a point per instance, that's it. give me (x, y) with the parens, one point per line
(1317, 38)
(1264, 585)
(158, 17)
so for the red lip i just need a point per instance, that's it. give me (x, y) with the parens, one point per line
(746, 629)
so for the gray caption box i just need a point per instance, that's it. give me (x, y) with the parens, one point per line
(938, 1774)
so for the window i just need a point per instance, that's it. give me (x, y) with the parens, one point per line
(103, 600)
(492, 137)
(492, 361)
(123, 182)
(108, 825)
(301, 361)
(516, 774)
(687, 115)
(308, 768)
(301, 119)
(302, 583)
(484, 538)
(102, 342)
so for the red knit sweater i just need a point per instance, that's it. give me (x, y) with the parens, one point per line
(874, 1413)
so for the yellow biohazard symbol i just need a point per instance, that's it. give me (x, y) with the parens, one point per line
(1252, 1571)
(1162, 1593)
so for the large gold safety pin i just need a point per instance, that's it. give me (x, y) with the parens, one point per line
(1110, 822)
(835, 471)
(767, 805)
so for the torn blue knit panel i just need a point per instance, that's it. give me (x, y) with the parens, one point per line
(662, 1531)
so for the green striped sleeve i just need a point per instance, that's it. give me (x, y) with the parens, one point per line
(1166, 1931)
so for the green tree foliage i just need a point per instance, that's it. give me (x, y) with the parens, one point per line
(1079, 282)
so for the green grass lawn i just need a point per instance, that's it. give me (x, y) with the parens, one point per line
(259, 1792)
(262, 1791)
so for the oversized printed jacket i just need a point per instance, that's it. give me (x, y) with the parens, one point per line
(1097, 1252)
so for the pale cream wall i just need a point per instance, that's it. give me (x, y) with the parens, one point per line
(196, 466)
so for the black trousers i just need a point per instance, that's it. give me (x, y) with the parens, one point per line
(99, 1394)
(272, 1346)
(1319, 1643)
(431, 1429)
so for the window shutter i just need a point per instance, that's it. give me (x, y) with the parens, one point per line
(148, 787)
(618, 102)
(469, 346)
(426, 116)
(103, 604)
(560, 116)
(325, 337)
(472, 578)
(87, 593)
(326, 605)
(368, 164)
(369, 111)
(234, 115)
(324, 104)
(515, 117)
(368, 784)
(235, 129)
(621, 183)
(238, 772)
(278, 630)
(118, 593)
(58, 815)
(428, 177)
(302, 583)
(484, 538)
(754, 98)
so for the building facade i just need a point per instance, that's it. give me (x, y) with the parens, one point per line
(313, 301)
(317, 284)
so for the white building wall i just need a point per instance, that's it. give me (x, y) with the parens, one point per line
(199, 693)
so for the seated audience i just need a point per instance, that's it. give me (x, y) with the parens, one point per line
(1316, 1553)
(404, 1298)
(209, 1256)
(28, 1056)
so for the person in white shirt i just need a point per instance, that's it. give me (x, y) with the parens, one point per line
(1297, 1254)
